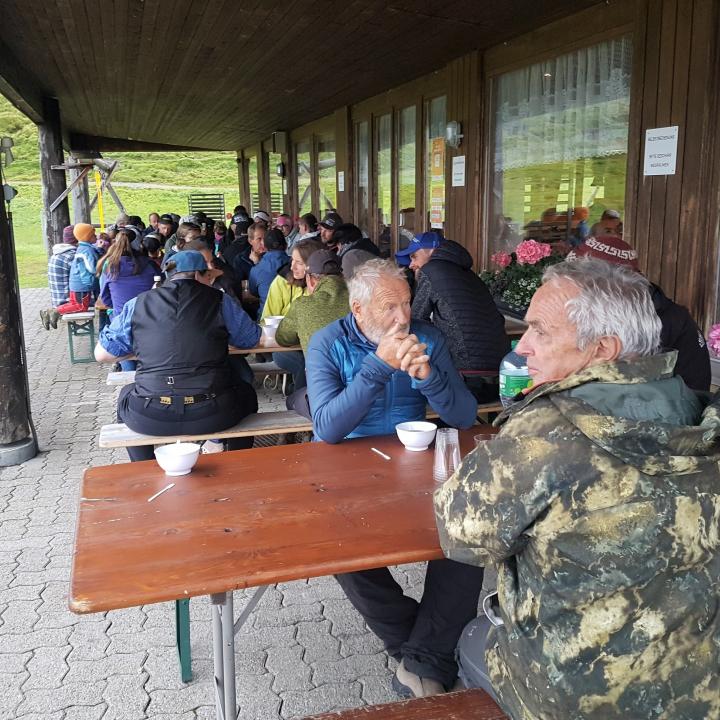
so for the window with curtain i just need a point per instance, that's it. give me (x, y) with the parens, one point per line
(383, 184)
(362, 176)
(327, 180)
(254, 183)
(304, 177)
(276, 184)
(406, 176)
(560, 154)
(435, 120)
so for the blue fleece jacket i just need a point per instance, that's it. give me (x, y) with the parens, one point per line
(82, 271)
(353, 393)
(262, 275)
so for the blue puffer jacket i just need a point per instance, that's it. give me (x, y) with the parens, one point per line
(262, 275)
(353, 393)
(82, 271)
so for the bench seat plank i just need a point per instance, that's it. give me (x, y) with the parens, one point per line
(272, 423)
(77, 317)
(264, 423)
(463, 705)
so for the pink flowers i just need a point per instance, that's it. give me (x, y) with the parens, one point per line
(501, 259)
(530, 252)
(714, 340)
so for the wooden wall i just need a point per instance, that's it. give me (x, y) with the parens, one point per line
(672, 220)
(463, 205)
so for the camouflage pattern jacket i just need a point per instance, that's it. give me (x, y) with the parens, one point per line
(599, 500)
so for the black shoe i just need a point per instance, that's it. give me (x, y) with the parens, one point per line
(45, 319)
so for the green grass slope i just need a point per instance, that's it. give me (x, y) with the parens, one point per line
(206, 171)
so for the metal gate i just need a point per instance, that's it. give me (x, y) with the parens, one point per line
(212, 204)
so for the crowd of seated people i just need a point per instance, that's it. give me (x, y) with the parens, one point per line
(597, 499)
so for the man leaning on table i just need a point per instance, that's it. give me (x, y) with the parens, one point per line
(367, 372)
(184, 382)
(599, 500)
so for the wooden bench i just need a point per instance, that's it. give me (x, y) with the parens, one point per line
(80, 324)
(125, 377)
(472, 704)
(278, 422)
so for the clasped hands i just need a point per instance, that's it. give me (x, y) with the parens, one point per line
(404, 351)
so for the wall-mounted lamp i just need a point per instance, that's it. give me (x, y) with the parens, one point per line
(453, 134)
(5, 144)
(280, 169)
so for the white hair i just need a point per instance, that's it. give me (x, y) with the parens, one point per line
(366, 277)
(613, 300)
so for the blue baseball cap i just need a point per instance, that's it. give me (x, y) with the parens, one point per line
(188, 261)
(424, 241)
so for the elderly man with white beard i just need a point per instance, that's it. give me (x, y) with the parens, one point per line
(367, 372)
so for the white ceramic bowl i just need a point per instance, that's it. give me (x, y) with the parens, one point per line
(178, 458)
(417, 435)
(273, 320)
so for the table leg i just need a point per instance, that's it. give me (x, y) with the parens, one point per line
(224, 655)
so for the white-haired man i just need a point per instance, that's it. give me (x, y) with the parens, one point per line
(367, 372)
(599, 501)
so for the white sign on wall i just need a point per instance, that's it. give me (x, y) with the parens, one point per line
(341, 181)
(661, 150)
(458, 171)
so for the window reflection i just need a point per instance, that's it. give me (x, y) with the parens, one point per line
(561, 133)
(326, 172)
(383, 163)
(435, 162)
(406, 176)
(304, 177)
(362, 176)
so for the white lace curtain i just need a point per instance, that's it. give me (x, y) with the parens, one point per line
(565, 109)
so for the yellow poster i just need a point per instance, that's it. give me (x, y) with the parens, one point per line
(437, 183)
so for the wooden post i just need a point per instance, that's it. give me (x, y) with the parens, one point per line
(80, 198)
(17, 443)
(53, 181)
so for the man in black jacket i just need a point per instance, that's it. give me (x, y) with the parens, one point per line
(451, 296)
(679, 331)
(352, 248)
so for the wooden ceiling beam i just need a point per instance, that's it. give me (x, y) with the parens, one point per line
(96, 144)
(19, 86)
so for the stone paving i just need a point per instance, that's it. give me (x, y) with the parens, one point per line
(304, 649)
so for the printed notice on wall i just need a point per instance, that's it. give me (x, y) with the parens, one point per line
(341, 181)
(661, 150)
(458, 171)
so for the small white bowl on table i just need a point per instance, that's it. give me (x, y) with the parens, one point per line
(178, 458)
(416, 435)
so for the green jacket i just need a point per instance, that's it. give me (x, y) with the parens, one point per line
(311, 313)
(600, 501)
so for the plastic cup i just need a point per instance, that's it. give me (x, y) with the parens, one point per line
(481, 438)
(447, 454)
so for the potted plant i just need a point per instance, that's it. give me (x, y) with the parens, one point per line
(517, 275)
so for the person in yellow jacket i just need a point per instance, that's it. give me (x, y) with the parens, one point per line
(284, 290)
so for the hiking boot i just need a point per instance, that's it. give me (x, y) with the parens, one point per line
(45, 319)
(408, 685)
(212, 446)
(54, 317)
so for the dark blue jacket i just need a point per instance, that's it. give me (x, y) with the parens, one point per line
(353, 393)
(262, 275)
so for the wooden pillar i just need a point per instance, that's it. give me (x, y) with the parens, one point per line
(80, 197)
(53, 181)
(17, 443)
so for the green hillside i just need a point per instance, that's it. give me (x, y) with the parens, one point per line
(201, 171)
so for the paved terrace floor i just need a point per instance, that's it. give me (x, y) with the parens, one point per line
(304, 650)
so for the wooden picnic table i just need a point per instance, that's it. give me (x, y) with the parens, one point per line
(293, 516)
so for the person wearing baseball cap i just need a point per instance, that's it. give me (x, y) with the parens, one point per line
(679, 331)
(262, 217)
(328, 225)
(420, 249)
(180, 332)
(451, 296)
